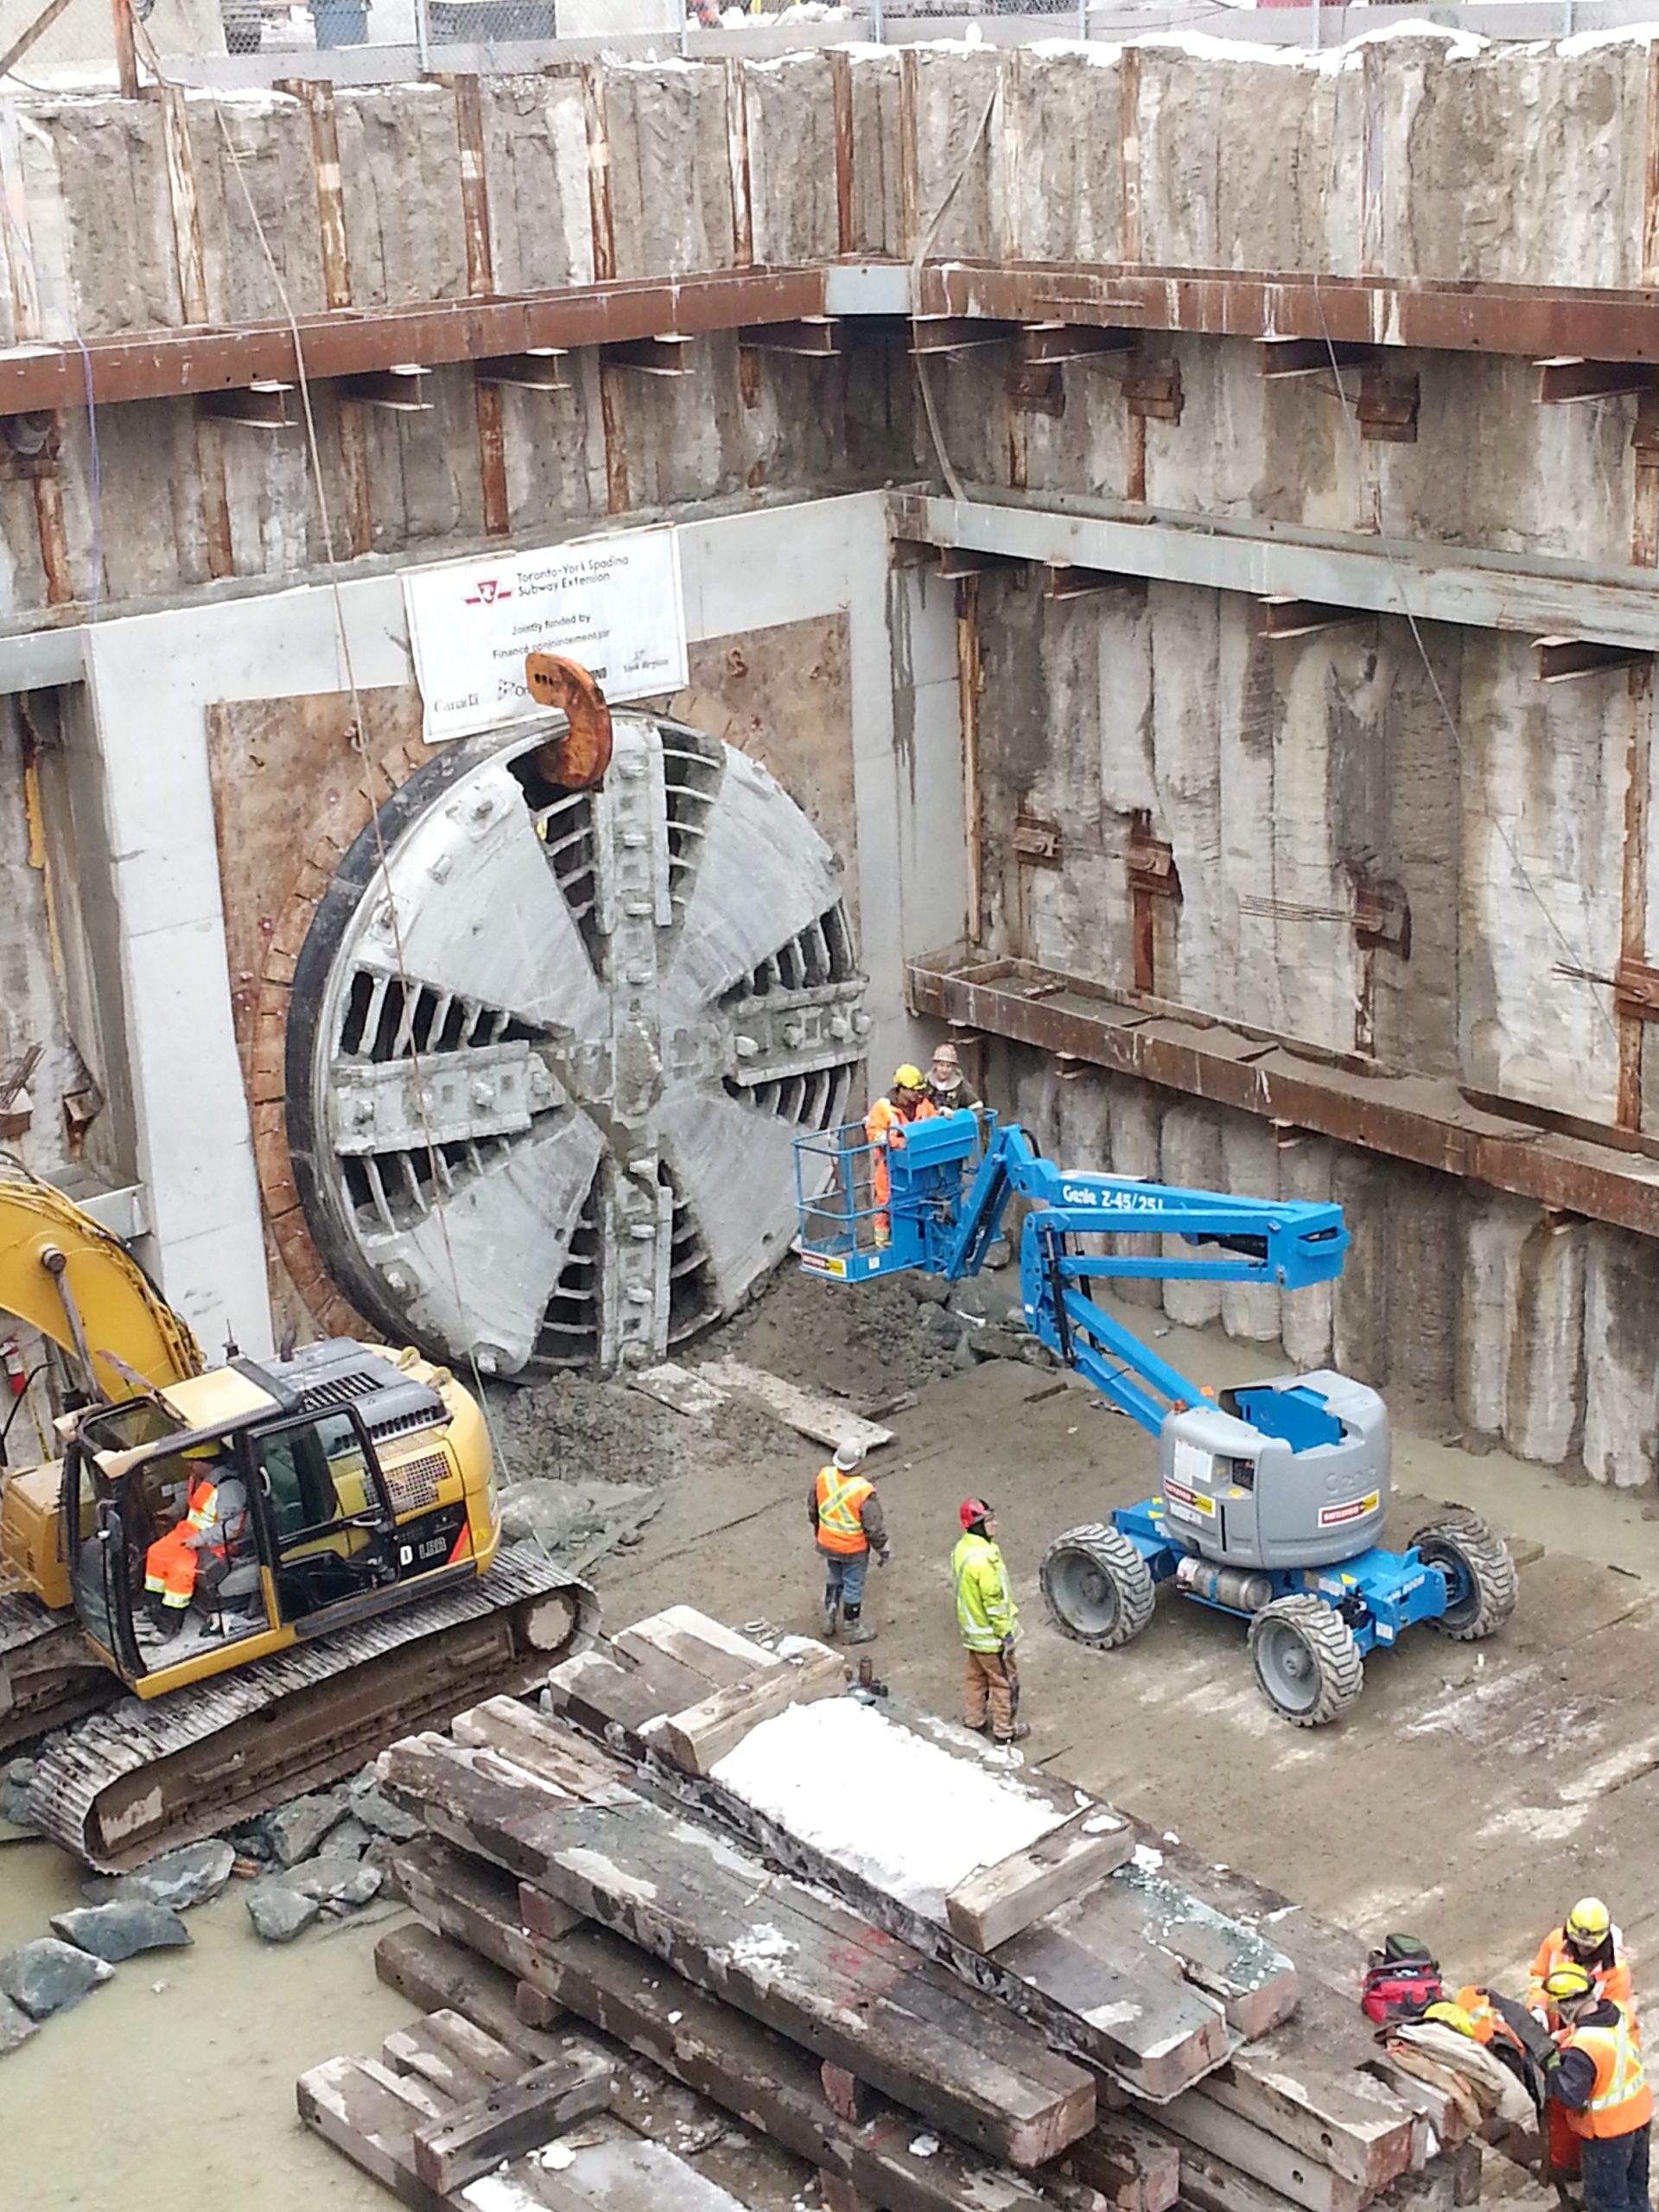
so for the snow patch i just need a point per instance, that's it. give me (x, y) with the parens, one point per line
(883, 1802)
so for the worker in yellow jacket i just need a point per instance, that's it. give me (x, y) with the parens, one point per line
(988, 1622)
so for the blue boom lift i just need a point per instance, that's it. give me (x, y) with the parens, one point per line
(1272, 1496)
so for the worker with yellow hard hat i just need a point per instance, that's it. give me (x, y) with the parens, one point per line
(1586, 1938)
(1598, 2089)
(885, 1125)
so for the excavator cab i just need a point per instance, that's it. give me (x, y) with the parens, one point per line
(197, 1544)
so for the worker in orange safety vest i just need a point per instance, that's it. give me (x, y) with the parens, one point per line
(1586, 1938)
(846, 1517)
(173, 1561)
(884, 1127)
(1599, 2083)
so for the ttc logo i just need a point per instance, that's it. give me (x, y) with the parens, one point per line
(490, 590)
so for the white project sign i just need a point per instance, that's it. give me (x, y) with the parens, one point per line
(613, 604)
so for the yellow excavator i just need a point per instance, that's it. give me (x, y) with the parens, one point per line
(284, 1561)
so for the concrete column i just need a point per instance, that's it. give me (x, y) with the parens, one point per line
(1544, 1411)
(1621, 1327)
(1496, 1229)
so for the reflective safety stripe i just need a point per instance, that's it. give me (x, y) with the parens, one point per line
(1626, 2074)
(204, 1500)
(840, 1499)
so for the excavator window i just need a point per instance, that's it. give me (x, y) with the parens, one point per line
(328, 1511)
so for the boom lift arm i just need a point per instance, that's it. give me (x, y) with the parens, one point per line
(1272, 1499)
(1287, 1242)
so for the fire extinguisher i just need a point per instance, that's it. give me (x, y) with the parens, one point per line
(12, 1359)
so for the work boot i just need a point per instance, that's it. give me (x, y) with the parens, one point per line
(858, 1631)
(1017, 1735)
(831, 1612)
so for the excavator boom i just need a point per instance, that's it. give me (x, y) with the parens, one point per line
(62, 1275)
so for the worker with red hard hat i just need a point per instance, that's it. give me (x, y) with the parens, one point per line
(988, 1621)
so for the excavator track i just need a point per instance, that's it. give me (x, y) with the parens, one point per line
(142, 1776)
(50, 1674)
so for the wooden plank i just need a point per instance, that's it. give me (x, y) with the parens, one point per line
(1132, 2166)
(787, 1956)
(457, 2059)
(411, 2051)
(613, 2171)
(1203, 2125)
(612, 1693)
(371, 2115)
(463, 1897)
(1254, 1981)
(768, 2081)
(435, 1973)
(719, 1654)
(552, 1755)
(511, 2120)
(826, 1421)
(675, 1386)
(698, 1738)
(996, 1901)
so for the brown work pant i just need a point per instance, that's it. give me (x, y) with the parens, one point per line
(990, 1679)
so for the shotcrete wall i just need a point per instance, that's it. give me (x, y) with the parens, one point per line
(1420, 762)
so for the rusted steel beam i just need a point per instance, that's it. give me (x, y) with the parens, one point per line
(1428, 1121)
(1562, 660)
(1612, 325)
(1569, 378)
(164, 364)
(1301, 618)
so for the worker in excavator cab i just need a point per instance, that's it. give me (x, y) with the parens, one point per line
(846, 1517)
(1586, 1938)
(213, 1521)
(885, 1125)
(1598, 2084)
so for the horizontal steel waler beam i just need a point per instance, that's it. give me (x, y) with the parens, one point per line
(1533, 594)
(169, 364)
(1534, 322)
(1425, 1121)
(1540, 323)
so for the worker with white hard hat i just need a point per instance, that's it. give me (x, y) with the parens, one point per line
(847, 1524)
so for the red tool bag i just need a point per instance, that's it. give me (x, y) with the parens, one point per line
(1401, 1980)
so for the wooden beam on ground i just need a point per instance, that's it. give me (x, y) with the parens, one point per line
(608, 1689)
(435, 1973)
(554, 1755)
(510, 2119)
(461, 2066)
(464, 1898)
(1132, 2166)
(1203, 2127)
(771, 2084)
(1252, 1980)
(698, 1738)
(825, 1420)
(719, 1654)
(996, 1901)
(370, 2114)
(789, 1957)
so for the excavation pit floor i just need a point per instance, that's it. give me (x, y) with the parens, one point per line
(1469, 1797)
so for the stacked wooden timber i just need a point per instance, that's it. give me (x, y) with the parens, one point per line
(1091, 2020)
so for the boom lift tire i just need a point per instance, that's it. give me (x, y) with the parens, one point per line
(1483, 1585)
(1307, 1664)
(1097, 1588)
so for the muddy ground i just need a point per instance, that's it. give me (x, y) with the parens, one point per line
(1473, 1793)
